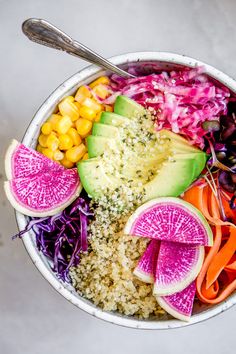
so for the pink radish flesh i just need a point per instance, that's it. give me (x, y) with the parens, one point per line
(38, 186)
(177, 266)
(25, 162)
(147, 263)
(180, 304)
(45, 190)
(170, 219)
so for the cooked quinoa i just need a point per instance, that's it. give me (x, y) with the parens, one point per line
(105, 273)
(105, 276)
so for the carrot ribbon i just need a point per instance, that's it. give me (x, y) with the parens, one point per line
(212, 286)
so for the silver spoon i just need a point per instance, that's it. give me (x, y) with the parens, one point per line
(43, 32)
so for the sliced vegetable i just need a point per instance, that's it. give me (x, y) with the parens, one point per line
(180, 304)
(178, 265)
(221, 259)
(146, 267)
(38, 186)
(170, 219)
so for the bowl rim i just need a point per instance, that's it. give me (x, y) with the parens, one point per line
(49, 104)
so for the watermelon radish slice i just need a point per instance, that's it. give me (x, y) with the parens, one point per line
(21, 161)
(177, 266)
(38, 186)
(170, 219)
(180, 304)
(146, 267)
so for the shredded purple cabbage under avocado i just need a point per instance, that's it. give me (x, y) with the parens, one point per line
(62, 237)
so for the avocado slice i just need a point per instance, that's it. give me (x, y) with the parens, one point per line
(176, 138)
(198, 158)
(126, 107)
(94, 178)
(98, 144)
(107, 131)
(113, 119)
(180, 147)
(172, 180)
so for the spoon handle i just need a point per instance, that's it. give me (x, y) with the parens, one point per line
(43, 32)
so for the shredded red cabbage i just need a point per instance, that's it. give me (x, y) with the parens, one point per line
(62, 237)
(181, 100)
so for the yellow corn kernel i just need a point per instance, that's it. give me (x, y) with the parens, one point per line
(48, 153)
(101, 90)
(98, 117)
(83, 126)
(108, 108)
(65, 142)
(53, 119)
(74, 135)
(101, 80)
(82, 93)
(52, 142)
(69, 98)
(76, 153)
(43, 140)
(68, 108)
(78, 105)
(87, 113)
(58, 155)
(39, 148)
(63, 125)
(85, 157)
(46, 128)
(66, 163)
(89, 102)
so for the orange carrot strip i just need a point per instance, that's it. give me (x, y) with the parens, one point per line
(199, 198)
(211, 254)
(232, 264)
(194, 196)
(212, 291)
(204, 199)
(221, 259)
(213, 251)
(223, 295)
(204, 208)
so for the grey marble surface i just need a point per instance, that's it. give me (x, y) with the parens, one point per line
(34, 319)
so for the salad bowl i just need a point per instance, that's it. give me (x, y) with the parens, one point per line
(151, 61)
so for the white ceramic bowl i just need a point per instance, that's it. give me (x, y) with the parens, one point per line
(160, 60)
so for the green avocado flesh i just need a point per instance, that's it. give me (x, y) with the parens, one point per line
(159, 164)
(172, 136)
(124, 106)
(172, 180)
(94, 178)
(105, 130)
(113, 119)
(97, 145)
(199, 161)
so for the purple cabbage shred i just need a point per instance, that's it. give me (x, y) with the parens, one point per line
(62, 237)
